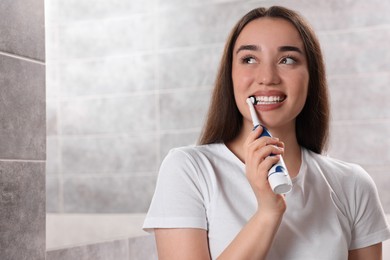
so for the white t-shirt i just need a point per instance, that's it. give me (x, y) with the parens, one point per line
(333, 206)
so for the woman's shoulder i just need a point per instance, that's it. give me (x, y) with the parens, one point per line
(339, 172)
(191, 164)
(331, 164)
(193, 155)
(196, 151)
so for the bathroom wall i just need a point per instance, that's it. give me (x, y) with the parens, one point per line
(22, 130)
(128, 80)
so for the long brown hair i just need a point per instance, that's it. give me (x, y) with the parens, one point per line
(224, 121)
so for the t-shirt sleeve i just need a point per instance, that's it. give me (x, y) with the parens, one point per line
(369, 225)
(178, 200)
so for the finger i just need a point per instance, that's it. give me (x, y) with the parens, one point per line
(269, 150)
(259, 178)
(254, 134)
(260, 159)
(265, 141)
(266, 165)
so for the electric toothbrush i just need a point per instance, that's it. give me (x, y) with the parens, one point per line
(278, 176)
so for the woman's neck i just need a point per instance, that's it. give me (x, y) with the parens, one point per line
(292, 150)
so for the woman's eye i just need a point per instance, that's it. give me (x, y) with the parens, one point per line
(249, 60)
(288, 61)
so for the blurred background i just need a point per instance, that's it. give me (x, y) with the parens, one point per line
(127, 80)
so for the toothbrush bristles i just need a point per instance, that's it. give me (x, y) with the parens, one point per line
(253, 100)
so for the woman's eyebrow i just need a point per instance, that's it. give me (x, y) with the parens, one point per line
(252, 47)
(290, 48)
(249, 47)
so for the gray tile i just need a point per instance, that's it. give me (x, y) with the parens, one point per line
(365, 143)
(197, 25)
(117, 249)
(356, 51)
(52, 194)
(115, 75)
(184, 109)
(51, 12)
(116, 154)
(336, 15)
(323, 15)
(248, 4)
(108, 194)
(141, 248)
(51, 118)
(22, 210)
(23, 33)
(107, 37)
(165, 4)
(122, 114)
(52, 79)
(360, 97)
(177, 16)
(22, 109)
(53, 155)
(188, 68)
(172, 140)
(73, 10)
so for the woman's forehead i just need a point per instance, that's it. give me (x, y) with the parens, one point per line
(269, 31)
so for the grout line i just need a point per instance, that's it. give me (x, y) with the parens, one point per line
(109, 175)
(22, 160)
(117, 18)
(107, 96)
(181, 131)
(156, 91)
(367, 28)
(22, 58)
(340, 122)
(140, 53)
(133, 135)
(358, 74)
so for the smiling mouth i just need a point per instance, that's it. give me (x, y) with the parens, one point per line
(266, 100)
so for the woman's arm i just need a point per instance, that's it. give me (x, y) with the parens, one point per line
(253, 241)
(182, 243)
(373, 252)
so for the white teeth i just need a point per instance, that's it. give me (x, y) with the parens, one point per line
(269, 99)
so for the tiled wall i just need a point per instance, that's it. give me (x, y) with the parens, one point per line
(128, 80)
(22, 130)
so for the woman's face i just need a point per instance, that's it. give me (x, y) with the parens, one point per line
(269, 62)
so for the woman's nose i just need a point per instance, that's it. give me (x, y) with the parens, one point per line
(268, 75)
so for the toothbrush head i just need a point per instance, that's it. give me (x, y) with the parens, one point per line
(251, 99)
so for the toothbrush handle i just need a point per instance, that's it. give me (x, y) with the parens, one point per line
(265, 131)
(280, 183)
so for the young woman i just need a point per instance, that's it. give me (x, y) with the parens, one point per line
(213, 200)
